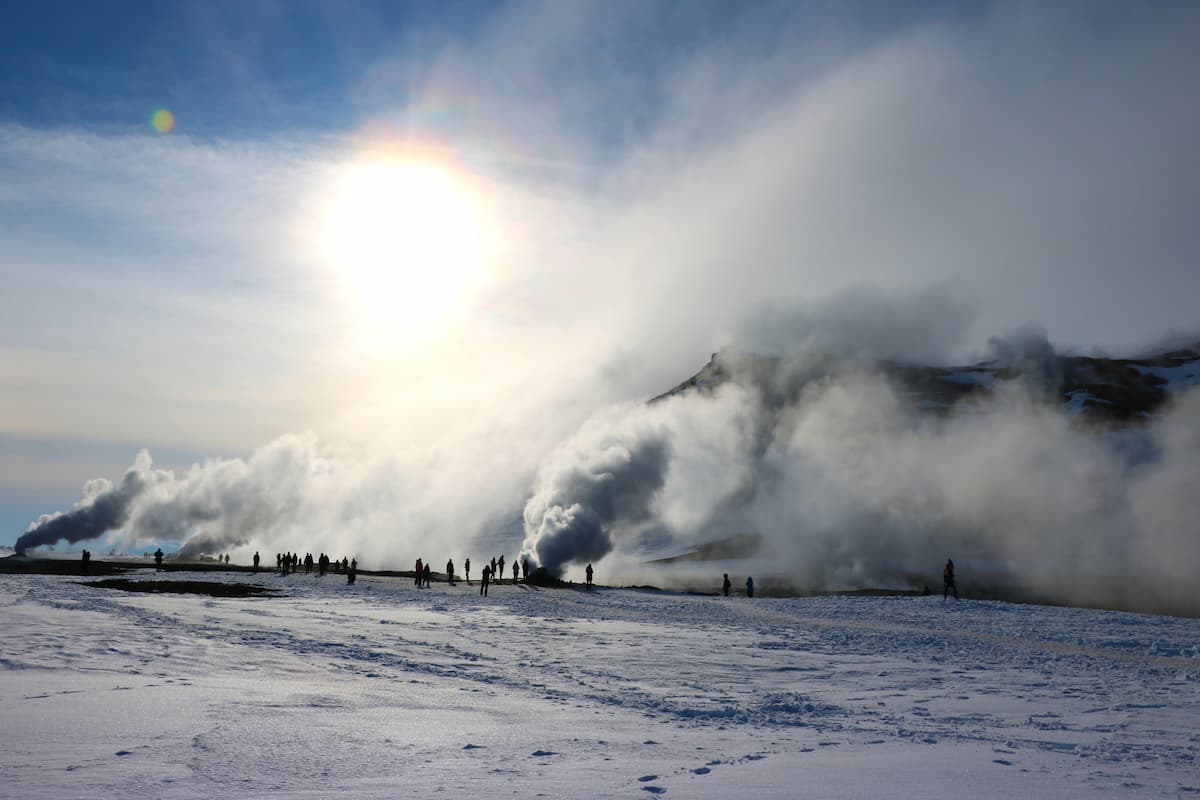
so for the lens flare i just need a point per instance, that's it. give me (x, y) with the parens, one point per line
(162, 120)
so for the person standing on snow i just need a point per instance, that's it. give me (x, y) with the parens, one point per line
(588, 572)
(420, 572)
(450, 572)
(750, 587)
(948, 580)
(726, 584)
(483, 583)
(467, 570)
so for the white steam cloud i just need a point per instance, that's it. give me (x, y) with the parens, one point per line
(850, 484)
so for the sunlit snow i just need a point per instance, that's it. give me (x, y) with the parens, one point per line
(380, 689)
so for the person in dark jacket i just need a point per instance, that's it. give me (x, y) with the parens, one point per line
(725, 586)
(483, 583)
(749, 587)
(948, 580)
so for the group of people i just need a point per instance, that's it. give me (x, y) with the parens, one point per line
(727, 584)
(493, 571)
(291, 562)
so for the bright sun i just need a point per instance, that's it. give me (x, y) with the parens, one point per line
(407, 238)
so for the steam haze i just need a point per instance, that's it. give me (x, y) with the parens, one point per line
(941, 189)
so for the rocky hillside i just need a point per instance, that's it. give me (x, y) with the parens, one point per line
(1101, 390)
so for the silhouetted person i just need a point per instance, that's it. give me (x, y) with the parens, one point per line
(588, 572)
(749, 587)
(525, 570)
(450, 572)
(516, 571)
(256, 559)
(158, 557)
(499, 576)
(726, 584)
(279, 563)
(352, 572)
(345, 563)
(420, 572)
(483, 582)
(428, 573)
(493, 573)
(87, 557)
(948, 580)
(227, 558)
(467, 570)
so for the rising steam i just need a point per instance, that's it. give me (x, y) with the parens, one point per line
(850, 482)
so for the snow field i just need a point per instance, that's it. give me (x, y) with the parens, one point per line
(374, 689)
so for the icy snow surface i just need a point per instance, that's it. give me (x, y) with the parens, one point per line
(1076, 402)
(384, 690)
(1179, 378)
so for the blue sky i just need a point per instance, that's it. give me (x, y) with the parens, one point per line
(646, 179)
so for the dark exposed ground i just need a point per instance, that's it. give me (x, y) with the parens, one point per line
(1095, 592)
(208, 588)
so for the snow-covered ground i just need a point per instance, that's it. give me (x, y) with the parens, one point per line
(384, 690)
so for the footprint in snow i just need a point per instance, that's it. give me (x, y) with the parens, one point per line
(1003, 761)
(653, 789)
(701, 771)
(646, 778)
(472, 747)
(540, 753)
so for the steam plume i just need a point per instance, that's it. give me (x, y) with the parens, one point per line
(851, 483)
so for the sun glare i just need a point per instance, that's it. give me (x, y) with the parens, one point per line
(407, 238)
